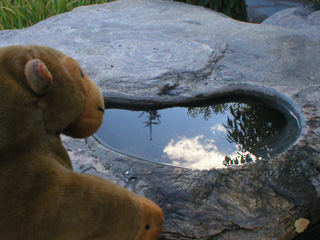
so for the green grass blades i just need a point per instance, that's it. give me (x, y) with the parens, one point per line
(17, 14)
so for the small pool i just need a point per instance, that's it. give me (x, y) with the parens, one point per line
(200, 137)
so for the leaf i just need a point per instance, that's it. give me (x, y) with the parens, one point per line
(301, 225)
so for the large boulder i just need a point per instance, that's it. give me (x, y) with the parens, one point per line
(300, 19)
(133, 49)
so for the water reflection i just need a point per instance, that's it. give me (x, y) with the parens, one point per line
(208, 111)
(194, 152)
(153, 118)
(205, 137)
(251, 128)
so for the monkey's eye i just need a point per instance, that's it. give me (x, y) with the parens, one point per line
(81, 73)
(101, 109)
(147, 227)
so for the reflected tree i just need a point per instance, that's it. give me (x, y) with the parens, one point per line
(153, 118)
(252, 129)
(241, 159)
(208, 111)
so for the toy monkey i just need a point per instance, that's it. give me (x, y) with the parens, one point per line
(44, 93)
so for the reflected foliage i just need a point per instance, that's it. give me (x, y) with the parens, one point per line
(241, 159)
(251, 128)
(208, 111)
(153, 118)
(208, 136)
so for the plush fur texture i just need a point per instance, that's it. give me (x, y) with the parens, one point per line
(44, 93)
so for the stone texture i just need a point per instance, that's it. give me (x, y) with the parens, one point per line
(134, 49)
(301, 19)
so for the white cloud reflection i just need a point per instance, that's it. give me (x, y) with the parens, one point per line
(195, 154)
(218, 129)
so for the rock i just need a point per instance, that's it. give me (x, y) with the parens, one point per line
(302, 19)
(133, 49)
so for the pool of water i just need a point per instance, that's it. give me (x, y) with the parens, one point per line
(205, 137)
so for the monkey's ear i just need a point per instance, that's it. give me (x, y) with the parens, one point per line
(38, 76)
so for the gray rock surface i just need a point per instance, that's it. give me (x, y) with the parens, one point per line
(301, 19)
(134, 48)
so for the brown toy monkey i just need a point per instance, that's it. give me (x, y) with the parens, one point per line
(44, 93)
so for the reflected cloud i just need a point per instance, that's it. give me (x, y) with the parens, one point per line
(220, 135)
(191, 152)
(219, 128)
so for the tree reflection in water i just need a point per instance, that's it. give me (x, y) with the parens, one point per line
(153, 118)
(208, 136)
(208, 111)
(250, 127)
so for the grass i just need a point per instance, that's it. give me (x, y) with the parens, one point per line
(17, 14)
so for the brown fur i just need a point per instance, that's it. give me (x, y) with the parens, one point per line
(44, 93)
